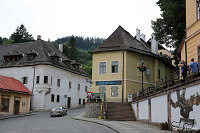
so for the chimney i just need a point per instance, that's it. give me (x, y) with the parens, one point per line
(38, 37)
(143, 37)
(60, 47)
(154, 44)
(138, 34)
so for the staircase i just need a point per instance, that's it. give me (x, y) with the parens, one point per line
(120, 112)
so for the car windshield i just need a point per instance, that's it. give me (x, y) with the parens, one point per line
(57, 109)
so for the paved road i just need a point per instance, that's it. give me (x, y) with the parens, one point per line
(43, 123)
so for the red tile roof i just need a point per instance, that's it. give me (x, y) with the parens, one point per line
(9, 84)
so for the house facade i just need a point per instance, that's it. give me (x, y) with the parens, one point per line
(54, 79)
(192, 39)
(115, 62)
(14, 97)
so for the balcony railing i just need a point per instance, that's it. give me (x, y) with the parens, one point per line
(161, 86)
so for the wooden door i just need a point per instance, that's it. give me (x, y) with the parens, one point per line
(16, 107)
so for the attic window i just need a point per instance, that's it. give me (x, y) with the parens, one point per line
(7, 58)
(12, 58)
(55, 58)
(30, 56)
(76, 66)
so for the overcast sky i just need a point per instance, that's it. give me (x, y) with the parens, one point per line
(58, 18)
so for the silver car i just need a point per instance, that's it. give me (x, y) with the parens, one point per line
(58, 111)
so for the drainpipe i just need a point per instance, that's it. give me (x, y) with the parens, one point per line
(33, 87)
(122, 76)
(185, 53)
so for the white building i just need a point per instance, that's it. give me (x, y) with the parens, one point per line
(54, 79)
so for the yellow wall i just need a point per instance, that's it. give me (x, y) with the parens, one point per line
(132, 76)
(191, 16)
(24, 99)
(165, 52)
(192, 30)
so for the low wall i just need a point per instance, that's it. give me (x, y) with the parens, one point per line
(181, 101)
(92, 110)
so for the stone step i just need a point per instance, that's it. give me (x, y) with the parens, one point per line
(119, 108)
(122, 118)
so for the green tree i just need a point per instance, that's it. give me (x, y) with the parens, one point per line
(88, 67)
(66, 49)
(7, 41)
(170, 28)
(21, 35)
(1, 41)
(73, 52)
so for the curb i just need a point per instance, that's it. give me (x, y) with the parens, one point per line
(95, 123)
(15, 116)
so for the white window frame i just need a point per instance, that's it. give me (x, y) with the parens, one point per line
(111, 67)
(111, 91)
(198, 9)
(99, 67)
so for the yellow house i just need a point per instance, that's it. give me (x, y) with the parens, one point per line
(192, 30)
(14, 97)
(114, 66)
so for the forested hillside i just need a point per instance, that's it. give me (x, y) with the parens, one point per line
(77, 48)
(86, 43)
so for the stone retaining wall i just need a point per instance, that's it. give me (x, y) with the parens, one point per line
(92, 110)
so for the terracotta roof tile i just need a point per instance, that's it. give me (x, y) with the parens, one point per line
(10, 84)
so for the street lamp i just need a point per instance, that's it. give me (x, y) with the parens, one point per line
(142, 68)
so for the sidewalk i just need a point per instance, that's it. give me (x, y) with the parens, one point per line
(15, 116)
(122, 126)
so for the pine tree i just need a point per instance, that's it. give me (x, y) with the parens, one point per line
(21, 35)
(73, 52)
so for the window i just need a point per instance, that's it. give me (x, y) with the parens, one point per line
(45, 79)
(79, 101)
(31, 56)
(114, 91)
(158, 73)
(52, 97)
(114, 67)
(58, 82)
(102, 67)
(79, 86)
(102, 91)
(51, 80)
(83, 101)
(86, 89)
(37, 79)
(198, 9)
(5, 103)
(58, 98)
(24, 80)
(70, 84)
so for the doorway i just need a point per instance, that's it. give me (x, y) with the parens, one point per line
(16, 107)
(68, 102)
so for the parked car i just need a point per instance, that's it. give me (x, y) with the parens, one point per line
(58, 111)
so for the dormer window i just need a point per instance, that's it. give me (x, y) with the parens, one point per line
(76, 66)
(12, 58)
(55, 58)
(31, 56)
(7, 58)
(67, 62)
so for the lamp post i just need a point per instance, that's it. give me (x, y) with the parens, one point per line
(142, 68)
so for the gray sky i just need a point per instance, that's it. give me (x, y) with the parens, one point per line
(58, 18)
